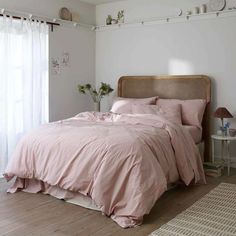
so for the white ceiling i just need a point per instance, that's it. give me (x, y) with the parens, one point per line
(97, 2)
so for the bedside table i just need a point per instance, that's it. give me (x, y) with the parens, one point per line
(225, 140)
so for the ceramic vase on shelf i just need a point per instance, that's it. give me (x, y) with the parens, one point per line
(203, 9)
(196, 10)
(97, 106)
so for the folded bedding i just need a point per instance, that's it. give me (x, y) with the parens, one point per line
(123, 162)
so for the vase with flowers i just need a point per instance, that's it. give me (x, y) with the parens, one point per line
(96, 94)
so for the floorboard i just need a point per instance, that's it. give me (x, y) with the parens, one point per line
(24, 214)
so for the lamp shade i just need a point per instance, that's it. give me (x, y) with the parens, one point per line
(222, 112)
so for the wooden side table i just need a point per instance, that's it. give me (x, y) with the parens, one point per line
(225, 140)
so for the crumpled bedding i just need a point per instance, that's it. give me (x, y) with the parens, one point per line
(122, 161)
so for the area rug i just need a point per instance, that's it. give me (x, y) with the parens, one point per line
(212, 215)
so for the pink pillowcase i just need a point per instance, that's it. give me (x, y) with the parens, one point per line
(192, 111)
(124, 105)
(172, 113)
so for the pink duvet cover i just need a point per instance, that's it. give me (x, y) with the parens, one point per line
(123, 162)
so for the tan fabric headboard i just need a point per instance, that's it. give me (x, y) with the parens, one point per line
(179, 87)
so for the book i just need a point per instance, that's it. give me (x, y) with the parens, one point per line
(214, 166)
(213, 173)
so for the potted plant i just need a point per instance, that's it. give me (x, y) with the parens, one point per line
(96, 95)
(120, 17)
(109, 20)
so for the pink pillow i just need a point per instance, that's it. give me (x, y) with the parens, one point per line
(192, 111)
(172, 113)
(124, 105)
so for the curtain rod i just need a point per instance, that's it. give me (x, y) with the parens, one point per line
(52, 24)
(50, 21)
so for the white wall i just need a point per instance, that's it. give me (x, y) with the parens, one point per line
(200, 47)
(64, 100)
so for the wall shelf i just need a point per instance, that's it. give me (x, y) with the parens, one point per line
(140, 23)
(74, 24)
(168, 20)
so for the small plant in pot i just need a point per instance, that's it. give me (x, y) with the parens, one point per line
(96, 95)
(109, 20)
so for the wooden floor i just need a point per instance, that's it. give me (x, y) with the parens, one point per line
(23, 214)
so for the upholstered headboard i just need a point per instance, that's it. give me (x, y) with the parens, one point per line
(179, 87)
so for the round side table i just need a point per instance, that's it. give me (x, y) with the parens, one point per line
(225, 140)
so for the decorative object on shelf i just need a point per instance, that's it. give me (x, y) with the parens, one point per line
(65, 14)
(217, 5)
(231, 8)
(75, 17)
(196, 10)
(232, 132)
(188, 13)
(109, 20)
(121, 17)
(180, 12)
(97, 95)
(203, 9)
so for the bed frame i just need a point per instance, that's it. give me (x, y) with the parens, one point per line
(179, 87)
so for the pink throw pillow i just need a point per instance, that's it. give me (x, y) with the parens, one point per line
(192, 111)
(124, 105)
(171, 113)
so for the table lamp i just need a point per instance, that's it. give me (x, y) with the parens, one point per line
(222, 113)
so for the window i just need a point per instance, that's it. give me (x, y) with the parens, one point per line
(23, 81)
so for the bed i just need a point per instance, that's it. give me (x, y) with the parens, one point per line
(119, 164)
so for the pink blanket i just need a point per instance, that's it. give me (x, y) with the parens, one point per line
(123, 162)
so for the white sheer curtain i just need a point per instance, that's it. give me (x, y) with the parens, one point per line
(23, 81)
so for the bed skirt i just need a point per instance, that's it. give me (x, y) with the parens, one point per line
(37, 186)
